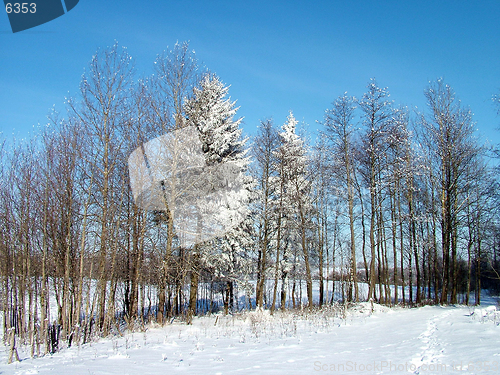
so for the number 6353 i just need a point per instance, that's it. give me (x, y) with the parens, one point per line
(20, 7)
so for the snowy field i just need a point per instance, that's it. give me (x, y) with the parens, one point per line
(427, 340)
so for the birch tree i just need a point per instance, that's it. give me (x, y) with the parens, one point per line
(340, 129)
(263, 151)
(104, 109)
(450, 135)
(377, 112)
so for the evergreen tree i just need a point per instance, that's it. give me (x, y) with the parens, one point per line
(295, 189)
(212, 113)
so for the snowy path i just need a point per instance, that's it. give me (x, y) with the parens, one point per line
(428, 340)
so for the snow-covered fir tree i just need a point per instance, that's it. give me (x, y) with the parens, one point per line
(212, 112)
(294, 201)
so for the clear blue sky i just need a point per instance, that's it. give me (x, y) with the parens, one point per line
(276, 55)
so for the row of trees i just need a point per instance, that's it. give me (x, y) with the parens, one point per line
(415, 199)
(390, 206)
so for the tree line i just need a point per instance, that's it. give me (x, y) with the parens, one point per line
(385, 205)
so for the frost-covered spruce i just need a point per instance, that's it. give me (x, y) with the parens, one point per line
(294, 203)
(213, 113)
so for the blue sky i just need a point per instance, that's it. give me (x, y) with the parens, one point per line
(276, 55)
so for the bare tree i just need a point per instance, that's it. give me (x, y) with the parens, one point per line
(106, 98)
(264, 146)
(449, 132)
(377, 115)
(339, 127)
(176, 76)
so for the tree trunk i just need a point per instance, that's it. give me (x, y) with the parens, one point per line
(193, 290)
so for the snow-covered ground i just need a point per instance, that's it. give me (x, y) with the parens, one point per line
(427, 340)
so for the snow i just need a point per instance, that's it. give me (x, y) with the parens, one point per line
(365, 338)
